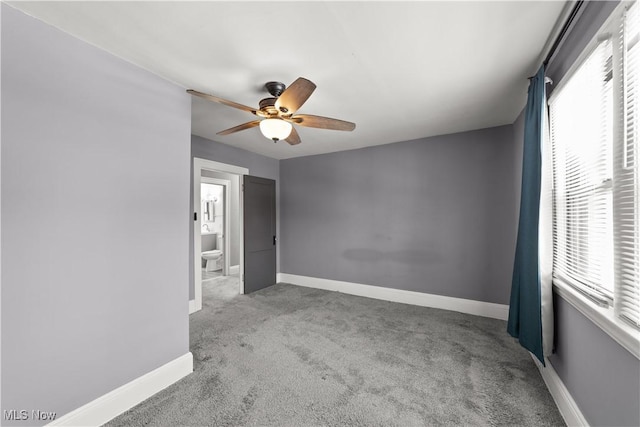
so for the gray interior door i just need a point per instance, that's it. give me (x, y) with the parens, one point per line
(259, 233)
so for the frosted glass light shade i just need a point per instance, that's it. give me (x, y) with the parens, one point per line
(275, 128)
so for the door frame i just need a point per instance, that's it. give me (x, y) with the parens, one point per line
(226, 251)
(198, 166)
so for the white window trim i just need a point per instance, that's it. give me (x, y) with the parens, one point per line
(603, 317)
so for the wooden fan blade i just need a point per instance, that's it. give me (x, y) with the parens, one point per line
(238, 128)
(222, 101)
(322, 122)
(294, 96)
(293, 137)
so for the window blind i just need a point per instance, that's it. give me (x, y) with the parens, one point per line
(582, 135)
(626, 193)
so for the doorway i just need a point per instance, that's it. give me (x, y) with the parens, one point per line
(225, 175)
(214, 227)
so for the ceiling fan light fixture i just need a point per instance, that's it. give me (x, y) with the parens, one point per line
(275, 129)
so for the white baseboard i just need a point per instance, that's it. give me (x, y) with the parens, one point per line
(478, 308)
(564, 401)
(234, 269)
(114, 403)
(192, 306)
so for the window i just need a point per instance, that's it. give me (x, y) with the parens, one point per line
(594, 123)
(627, 194)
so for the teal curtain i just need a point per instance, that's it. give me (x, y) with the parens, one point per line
(525, 313)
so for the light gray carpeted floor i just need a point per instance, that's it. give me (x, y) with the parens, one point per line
(294, 356)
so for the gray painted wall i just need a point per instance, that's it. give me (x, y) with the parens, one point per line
(434, 215)
(93, 291)
(258, 165)
(602, 376)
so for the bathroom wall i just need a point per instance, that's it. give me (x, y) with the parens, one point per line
(211, 229)
(207, 243)
(215, 192)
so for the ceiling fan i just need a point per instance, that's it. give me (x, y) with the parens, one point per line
(278, 113)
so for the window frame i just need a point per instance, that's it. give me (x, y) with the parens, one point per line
(600, 314)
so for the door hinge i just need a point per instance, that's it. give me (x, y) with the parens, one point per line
(274, 240)
(195, 216)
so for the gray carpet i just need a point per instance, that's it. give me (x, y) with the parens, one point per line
(294, 356)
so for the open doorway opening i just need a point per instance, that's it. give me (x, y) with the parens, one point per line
(214, 227)
(218, 228)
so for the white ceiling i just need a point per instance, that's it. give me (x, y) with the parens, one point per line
(399, 70)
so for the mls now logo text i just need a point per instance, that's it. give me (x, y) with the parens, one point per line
(24, 415)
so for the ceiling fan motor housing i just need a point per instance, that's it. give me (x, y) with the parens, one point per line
(275, 88)
(268, 105)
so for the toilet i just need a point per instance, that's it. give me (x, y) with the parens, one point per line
(214, 258)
